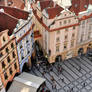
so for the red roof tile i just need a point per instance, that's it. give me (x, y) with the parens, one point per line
(47, 28)
(17, 13)
(13, 3)
(53, 12)
(7, 22)
(46, 3)
(85, 17)
(79, 6)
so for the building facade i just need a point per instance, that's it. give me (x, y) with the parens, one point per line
(83, 10)
(24, 39)
(61, 27)
(22, 29)
(57, 41)
(9, 64)
(2, 89)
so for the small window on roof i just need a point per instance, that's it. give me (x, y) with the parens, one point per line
(76, 5)
(85, 6)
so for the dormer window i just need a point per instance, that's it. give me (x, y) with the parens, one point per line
(10, 3)
(76, 5)
(85, 6)
(4, 39)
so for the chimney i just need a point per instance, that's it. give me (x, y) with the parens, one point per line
(6, 2)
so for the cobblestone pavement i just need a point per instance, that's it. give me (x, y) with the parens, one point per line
(74, 78)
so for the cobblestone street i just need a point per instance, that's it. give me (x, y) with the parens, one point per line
(75, 80)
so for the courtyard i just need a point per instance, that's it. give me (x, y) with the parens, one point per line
(76, 75)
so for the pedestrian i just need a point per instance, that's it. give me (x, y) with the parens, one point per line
(79, 68)
(43, 73)
(84, 84)
(62, 80)
(60, 69)
(71, 90)
(54, 85)
(52, 79)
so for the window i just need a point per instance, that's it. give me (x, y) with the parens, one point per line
(57, 39)
(57, 48)
(32, 35)
(73, 35)
(11, 71)
(21, 46)
(73, 27)
(22, 57)
(26, 41)
(72, 43)
(58, 32)
(83, 22)
(8, 59)
(1, 54)
(13, 55)
(5, 76)
(28, 52)
(66, 37)
(3, 64)
(66, 29)
(64, 21)
(60, 23)
(7, 50)
(12, 45)
(65, 46)
(85, 6)
(4, 39)
(69, 20)
(15, 66)
(76, 5)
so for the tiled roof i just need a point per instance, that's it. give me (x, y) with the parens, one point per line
(7, 22)
(13, 3)
(79, 5)
(10, 18)
(54, 11)
(17, 13)
(86, 17)
(56, 29)
(46, 3)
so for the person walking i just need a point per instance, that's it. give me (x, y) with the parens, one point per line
(84, 84)
(52, 79)
(62, 80)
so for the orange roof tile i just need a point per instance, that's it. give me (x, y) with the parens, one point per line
(48, 29)
(13, 3)
(7, 22)
(15, 12)
(53, 12)
(46, 3)
(79, 5)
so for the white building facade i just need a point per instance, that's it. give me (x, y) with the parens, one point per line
(24, 38)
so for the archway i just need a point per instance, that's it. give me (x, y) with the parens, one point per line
(58, 58)
(80, 51)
